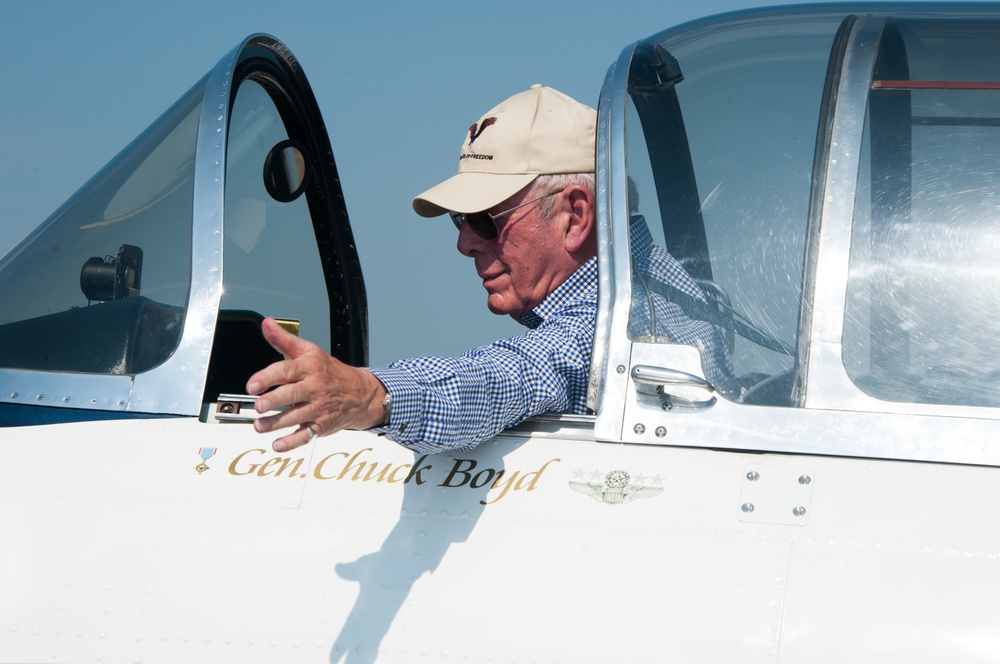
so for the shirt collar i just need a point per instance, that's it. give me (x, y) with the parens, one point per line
(580, 283)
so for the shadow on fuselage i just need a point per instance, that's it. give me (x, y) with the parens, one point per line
(431, 519)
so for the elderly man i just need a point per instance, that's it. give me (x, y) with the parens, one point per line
(524, 205)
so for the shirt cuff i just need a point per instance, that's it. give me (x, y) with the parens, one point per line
(406, 394)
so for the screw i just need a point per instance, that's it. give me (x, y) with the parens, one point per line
(620, 368)
(799, 511)
(747, 507)
(753, 476)
(805, 479)
(661, 432)
(639, 428)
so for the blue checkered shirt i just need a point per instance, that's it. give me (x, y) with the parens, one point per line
(666, 303)
(454, 403)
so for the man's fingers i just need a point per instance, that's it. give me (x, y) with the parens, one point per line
(282, 372)
(294, 405)
(297, 439)
(289, 393)
(305, 432)
(284, 341)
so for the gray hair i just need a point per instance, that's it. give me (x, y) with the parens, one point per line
(545, 184)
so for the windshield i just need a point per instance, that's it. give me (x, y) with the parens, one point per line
(923, 285)
(721, 134)
(101, 286)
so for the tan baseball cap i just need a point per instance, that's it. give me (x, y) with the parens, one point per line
(537, 132)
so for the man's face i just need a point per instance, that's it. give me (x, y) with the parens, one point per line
(517, 268)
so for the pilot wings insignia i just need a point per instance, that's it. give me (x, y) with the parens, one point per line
(616, 489)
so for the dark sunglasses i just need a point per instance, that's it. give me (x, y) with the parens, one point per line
(484, 224)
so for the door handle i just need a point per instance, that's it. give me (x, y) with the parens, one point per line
(655, 381)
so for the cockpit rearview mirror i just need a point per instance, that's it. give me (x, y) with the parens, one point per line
(286, 171)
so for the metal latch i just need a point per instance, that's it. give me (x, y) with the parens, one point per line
(654, 381)
(236, 408)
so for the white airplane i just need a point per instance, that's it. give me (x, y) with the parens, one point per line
(829, 175)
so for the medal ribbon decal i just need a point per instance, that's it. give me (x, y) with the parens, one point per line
(205, 453)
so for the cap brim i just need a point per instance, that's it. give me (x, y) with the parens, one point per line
(470, 192)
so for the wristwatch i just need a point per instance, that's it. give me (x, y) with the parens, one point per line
(387, 407)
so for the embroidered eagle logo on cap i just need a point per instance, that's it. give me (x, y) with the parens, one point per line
(476, 130)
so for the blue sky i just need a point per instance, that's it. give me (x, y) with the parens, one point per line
(398, 84)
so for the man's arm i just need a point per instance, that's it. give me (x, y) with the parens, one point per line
(437, 403)
(457, 402)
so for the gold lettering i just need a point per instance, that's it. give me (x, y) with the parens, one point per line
(392, 476)
(295, 465)
(239, 457)
(318, 470)
(381, 474)
(350, 465)
(535, 476)
(528, 481)
(504, 486)
(355, 469)
(267, 464)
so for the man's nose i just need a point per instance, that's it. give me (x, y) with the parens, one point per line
(469, 242)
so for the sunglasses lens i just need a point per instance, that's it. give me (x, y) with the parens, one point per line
(481, 223)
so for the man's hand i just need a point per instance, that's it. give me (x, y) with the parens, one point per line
(322, 395)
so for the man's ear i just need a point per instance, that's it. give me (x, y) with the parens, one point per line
(580, 228)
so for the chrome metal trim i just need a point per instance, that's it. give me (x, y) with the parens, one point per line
(568, 427)
(839, 191)
(821, 163)
(612, 346)
(921, 435)
(65, 390)
(605, 277)
(176, 386)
